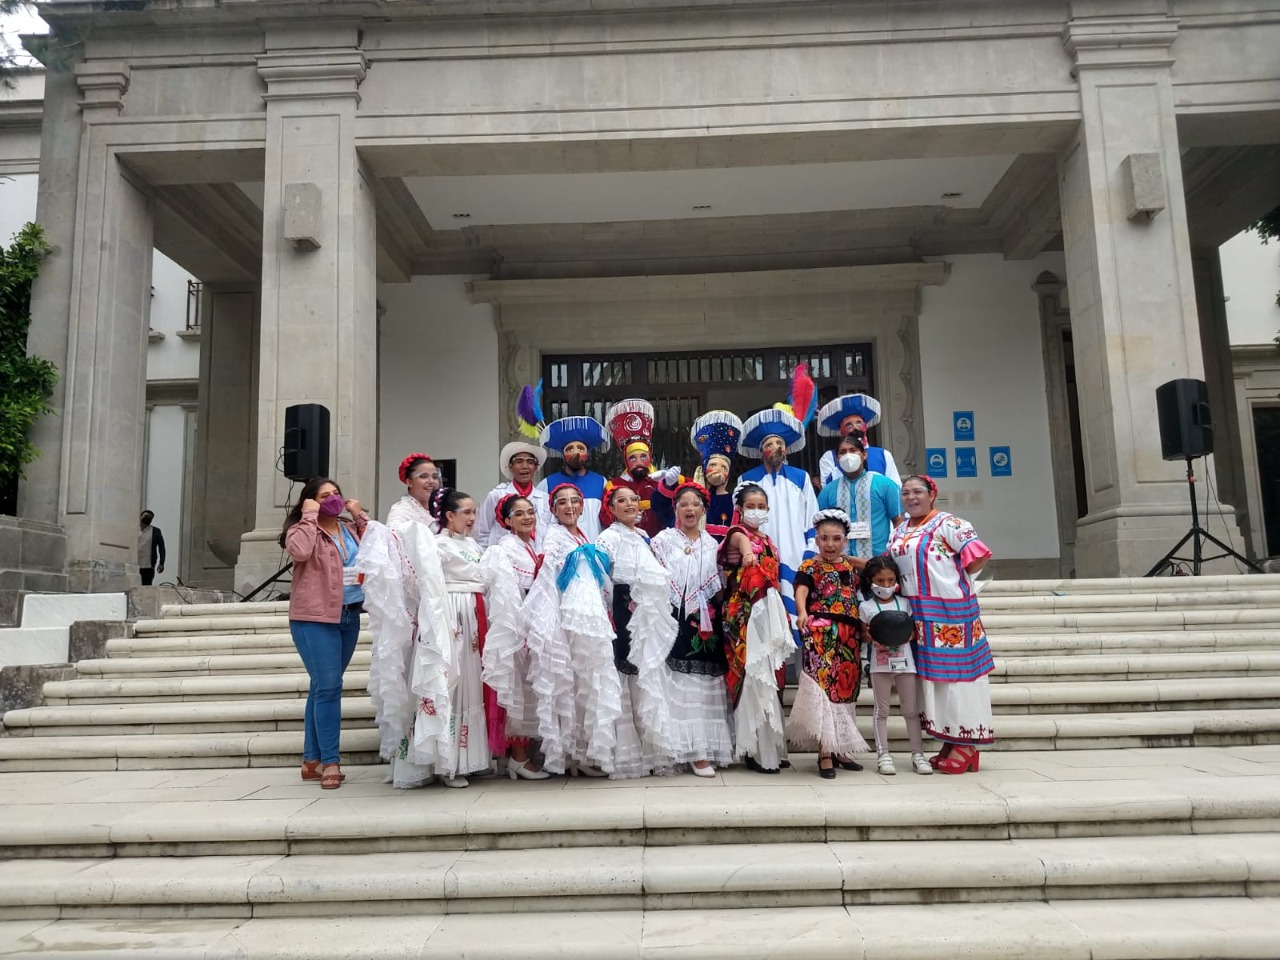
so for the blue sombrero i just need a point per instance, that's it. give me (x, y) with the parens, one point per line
(770, 423)
(558, 434)
(716, 432)
(850, 405)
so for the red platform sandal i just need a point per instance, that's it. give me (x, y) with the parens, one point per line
(959, 760)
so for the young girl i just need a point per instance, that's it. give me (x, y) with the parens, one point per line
(757, 636)
(827, 614)
(892, 666)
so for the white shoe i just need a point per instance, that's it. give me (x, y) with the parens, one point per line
(884, 764)
(522, 771)
(456, 782)
(921, 764)
(581, 770)
(707, 771)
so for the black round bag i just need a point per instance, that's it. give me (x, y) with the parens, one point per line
(892, 628)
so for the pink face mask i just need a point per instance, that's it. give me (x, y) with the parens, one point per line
(331, 505)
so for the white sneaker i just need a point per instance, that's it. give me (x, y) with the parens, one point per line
(456, 782)
(921, 764)
(884, 764)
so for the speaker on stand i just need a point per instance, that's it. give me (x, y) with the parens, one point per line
(1186, 432)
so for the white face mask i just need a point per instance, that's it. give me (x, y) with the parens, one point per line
(851, 462)
(755, 516)
(884, 593)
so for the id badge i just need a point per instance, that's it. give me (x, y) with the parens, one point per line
(860, 530)
(351, 577)
(898, 664)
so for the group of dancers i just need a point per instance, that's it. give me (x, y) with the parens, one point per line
(635, 625)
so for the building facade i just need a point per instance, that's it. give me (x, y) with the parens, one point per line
(1006, 210)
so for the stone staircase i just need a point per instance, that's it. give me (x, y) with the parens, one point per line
(1130, 810)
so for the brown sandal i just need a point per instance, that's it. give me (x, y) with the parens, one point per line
(310, 769)
(331, 778)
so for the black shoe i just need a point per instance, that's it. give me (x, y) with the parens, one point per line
(753, 765)
(784, 763)
(847, 764)
(829, 771)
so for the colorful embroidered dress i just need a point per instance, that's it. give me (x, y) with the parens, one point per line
(830, 658)
(758, 640)
(951, 652)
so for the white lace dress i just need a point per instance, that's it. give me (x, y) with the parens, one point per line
(646, 737)
(466, 580)
(412, 679)
(511, 566)
(698, 697)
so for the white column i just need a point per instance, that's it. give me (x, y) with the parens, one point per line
(1133, 305)
(318, 341)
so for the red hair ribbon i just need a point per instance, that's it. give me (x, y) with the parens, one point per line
(927, 480)
(404, 464)
(692, 485)
(498, 512)
(551, 497)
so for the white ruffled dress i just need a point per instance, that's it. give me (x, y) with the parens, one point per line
(510, 566)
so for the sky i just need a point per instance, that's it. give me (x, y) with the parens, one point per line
(13, 24)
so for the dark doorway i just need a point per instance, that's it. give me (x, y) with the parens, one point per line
(681, 386)
(1266, 433)
(1073, 416)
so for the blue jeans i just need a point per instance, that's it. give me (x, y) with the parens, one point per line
(326, 649)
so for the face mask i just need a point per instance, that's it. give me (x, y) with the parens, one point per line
(755, 516)
(851, 462)
(884, 593)
(331, 505)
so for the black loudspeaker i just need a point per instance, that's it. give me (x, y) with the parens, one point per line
(306, 441)
(1186, 428)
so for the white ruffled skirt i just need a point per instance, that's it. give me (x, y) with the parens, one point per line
(816, 720)
(702, 725)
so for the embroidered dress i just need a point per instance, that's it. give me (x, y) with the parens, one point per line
(563, 628)
(412, 678)
(950, 646)
(699, 701)
(830, 659)
(758, 641)
(465, 581)
(644, 634)
(792, 504)
(511, 565)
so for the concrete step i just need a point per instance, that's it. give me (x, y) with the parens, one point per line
(283, 708)
(264, 811)
(273, 685)
(1171, 640)
(170, 611)
(1243, 928)
(1125, 621)
(275, 740)
(208, 644)
(1133, 585)
(704, 876)
(200, 666)
(1142, 666)
(1130, 602)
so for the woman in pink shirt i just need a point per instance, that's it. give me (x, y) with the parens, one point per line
(325, 604)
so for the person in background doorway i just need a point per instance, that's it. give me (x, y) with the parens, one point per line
(150, 549)
(325, 604)
(853, 415)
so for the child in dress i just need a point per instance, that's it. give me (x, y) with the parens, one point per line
(891, 662)
(827, 614)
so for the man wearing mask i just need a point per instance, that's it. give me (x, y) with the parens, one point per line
(574, 439)
(872, 501)
(854, 414)
(631, 424)
(715, 436)
(769, 436)
(150, 549)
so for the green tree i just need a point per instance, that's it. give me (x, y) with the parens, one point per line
(25, 382)
(1268, 228)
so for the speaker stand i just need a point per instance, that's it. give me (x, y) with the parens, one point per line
(288, 565)
(1198, 536)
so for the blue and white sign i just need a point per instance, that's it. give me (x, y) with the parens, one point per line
(962, 421)
(935, 461)
(966, 461)
(1001, 462)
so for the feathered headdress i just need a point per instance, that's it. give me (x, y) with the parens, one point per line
(529, 411)
(803, 400)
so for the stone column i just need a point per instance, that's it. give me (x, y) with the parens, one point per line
(97, 302)
(1133, 307)
(226, 434)
(318, 340)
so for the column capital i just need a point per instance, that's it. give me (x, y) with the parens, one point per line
(312, 74)
(102, 85)
(1134, 41)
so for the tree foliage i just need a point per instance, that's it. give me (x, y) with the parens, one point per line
(25, 382)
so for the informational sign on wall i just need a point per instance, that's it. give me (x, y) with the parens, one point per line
(935, 461)
(962, 421)
(1001, 462)
(966, 461)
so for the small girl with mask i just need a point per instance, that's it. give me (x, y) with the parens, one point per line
(757, 635)
(889, 629)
